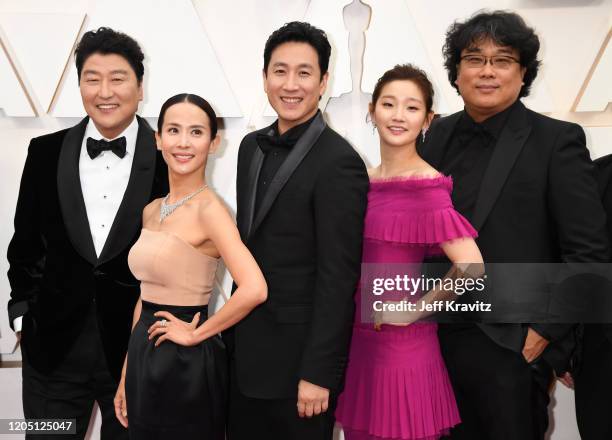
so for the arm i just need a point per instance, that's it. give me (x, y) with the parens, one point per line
(119, 400)
(26, 251)
(466, 261)
(576, 210)
(340, 199)
(251, 290)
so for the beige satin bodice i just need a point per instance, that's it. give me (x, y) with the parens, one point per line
(170, 270)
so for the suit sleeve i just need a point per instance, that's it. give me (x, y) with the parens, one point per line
(26, 251)
(339, 205)
(576, 209)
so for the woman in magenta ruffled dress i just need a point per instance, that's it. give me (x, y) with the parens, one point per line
(397, 386)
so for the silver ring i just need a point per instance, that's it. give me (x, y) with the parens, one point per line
(164, 323)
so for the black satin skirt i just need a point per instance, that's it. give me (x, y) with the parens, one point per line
(175, 392)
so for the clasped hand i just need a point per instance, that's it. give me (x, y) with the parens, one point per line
(312, 399)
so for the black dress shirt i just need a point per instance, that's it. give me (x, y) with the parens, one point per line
(276, 148)
(468, 156)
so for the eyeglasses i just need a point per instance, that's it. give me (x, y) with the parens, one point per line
(501, 62)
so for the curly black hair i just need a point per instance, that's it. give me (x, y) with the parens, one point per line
(300, 32)
(106, 41)
(503, 28)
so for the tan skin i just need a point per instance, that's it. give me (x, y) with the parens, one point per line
(487, 91)
(400, 115)
(110, 93)
(293, 84)
(185, 143)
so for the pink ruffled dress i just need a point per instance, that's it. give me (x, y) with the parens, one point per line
(397, 386)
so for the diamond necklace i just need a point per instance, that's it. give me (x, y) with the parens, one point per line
(165, 210)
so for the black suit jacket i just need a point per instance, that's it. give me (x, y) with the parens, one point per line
(604, 175)
(537, 202)
(54, 273)
(306, 238)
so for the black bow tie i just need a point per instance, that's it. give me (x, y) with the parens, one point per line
(95, 147)
(267, 142)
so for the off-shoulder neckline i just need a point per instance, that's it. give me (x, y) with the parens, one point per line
(416, 179)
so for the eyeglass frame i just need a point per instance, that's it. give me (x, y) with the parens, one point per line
(489, 59)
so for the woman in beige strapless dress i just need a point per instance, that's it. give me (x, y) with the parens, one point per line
(174, 381)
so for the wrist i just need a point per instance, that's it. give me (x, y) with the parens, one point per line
(194, 338)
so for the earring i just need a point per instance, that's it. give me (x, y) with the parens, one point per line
(373, 127)
(423, 132)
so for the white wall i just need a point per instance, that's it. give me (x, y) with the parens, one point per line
(215, 47)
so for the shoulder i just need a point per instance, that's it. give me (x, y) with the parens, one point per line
(144, 125)
(334, 147)
(249, 143)
(604, 171)
(48, 142)
(149, 211)
(604, 162)
(445, 121)
(249, 138)
(552, 125)
(211, 208)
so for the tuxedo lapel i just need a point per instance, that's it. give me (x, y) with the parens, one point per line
(70, 194)
(433, 150)
(295, 157)
(248, 192)
(137, 194)
(511, 142)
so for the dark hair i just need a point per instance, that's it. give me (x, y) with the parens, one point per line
(300, 32)
(192, 99)
(504, 29)
(406, 72)
(108, 41)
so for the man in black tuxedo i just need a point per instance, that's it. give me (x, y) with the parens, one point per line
(526, 183)
(593, 382)
(301, 196)
(78, 213)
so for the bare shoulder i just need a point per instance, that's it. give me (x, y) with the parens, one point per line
(149, 211)
(430, 172)
(212, 208)
(427, 171)
(373, 172)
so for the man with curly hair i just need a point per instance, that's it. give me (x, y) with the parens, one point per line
(526, 183)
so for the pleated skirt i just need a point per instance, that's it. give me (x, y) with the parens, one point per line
(175, 392)
(397, 386)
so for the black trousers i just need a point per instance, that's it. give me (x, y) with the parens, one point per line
(69, 392)
(594, 385)
(276, 419)
(500, 396)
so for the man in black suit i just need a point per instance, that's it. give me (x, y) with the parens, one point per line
(593, 382)
(79, 211)
(301, 196)
(526, 183)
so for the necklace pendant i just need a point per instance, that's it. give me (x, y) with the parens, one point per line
(166, 209)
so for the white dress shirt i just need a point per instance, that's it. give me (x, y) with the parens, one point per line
(103, 183)
(104, 180)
